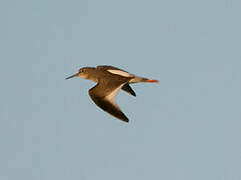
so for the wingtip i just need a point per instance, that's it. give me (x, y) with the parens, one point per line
(124, 119)
(127, 121)
(133, 94)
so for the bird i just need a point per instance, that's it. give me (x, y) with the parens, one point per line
(110, 80)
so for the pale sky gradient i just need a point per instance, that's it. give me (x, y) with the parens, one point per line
(187, 127)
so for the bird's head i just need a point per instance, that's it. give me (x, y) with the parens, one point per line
(84, 73)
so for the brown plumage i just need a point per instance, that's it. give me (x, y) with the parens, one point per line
(109, 81)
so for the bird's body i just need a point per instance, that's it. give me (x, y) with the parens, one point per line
(109, 81)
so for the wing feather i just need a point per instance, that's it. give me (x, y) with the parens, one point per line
(127, 88)
(105, 99)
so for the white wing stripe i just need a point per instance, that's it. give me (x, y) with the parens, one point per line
(119, 72)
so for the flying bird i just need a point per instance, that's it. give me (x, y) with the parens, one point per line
(109, 81)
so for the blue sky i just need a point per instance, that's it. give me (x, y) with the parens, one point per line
(186, 127)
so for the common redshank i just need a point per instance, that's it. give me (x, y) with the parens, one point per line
(109, 81)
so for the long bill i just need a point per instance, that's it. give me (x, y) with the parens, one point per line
(72, 76)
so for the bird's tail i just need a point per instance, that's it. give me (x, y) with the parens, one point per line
(141, 79)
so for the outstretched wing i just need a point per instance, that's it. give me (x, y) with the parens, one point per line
(103, 95)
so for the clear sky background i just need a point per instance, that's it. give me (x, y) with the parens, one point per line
(187, 127)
